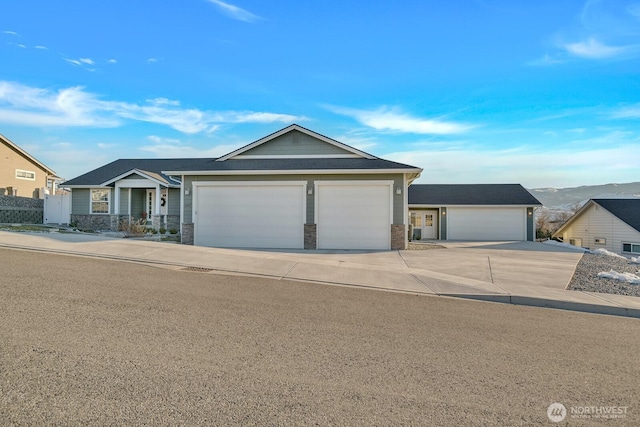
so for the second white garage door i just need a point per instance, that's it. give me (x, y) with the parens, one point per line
(249, 215)
(486, 224)
(353, 215)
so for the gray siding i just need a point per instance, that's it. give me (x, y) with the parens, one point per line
(134, 176)
(137, 201)
(124, 201)
(531, 230)
(398, 199)
(297, 143)
(173, 204)
(80, 198)
(443, 223)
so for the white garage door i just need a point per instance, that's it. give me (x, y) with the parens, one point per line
(486, 224)
(353, 216)
(250, 215)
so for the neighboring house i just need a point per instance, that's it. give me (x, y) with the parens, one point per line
(471, 212)
(129, 189)
(612, 224)
(23, 175)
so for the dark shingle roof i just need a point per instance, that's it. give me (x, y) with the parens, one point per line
(292, 164)
(627, 210)
(470, 194)
(152, 167)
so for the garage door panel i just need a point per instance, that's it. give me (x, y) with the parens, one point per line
(354, 216)
(246, 215)
(486, 224)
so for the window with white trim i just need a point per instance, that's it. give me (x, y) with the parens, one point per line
(100, 200)
(632, 248)
(600, 241)
(23, 174)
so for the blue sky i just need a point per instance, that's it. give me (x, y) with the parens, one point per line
(543, 93)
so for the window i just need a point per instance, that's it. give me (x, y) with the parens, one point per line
(633, 248)
(100, 201)
(22, 174)
(428, 220)
(600, 241)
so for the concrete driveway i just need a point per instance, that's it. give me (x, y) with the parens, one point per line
(526, 273)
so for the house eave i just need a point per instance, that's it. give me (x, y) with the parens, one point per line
(295, 172)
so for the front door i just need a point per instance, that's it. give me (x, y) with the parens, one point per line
(425, 224)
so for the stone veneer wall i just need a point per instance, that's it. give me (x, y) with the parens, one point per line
(21, 210)
(97, 222)
(187, 234)
(310, 236)
(398, 237)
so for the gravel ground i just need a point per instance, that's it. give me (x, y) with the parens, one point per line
(94, 342)
(586, 277)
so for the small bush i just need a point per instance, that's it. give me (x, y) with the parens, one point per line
(163, 230)
(153, 231)
(133, 228)
(173, 231)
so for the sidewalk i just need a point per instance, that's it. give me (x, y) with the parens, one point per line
(524, 273)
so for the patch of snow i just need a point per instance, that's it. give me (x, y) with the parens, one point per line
(635, 260)
(623, 277)
(602, 251)
(564, 245)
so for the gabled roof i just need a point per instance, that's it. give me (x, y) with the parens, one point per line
(14, 146)
(626, 210)
(318, 165)
(294, 127)
(149, 168)
(471, 194)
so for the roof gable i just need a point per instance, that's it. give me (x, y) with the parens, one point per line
(26, 155)
(626, 210)
(471, 194)
(295, 142)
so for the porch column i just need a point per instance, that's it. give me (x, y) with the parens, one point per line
(156, 218)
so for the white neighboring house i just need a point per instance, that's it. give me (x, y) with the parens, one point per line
(612, 224)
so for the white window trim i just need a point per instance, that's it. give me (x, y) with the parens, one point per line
(632, 245)
(91, 201)
(26, 172)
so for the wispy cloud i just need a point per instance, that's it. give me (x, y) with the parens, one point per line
(235, 12)
(11, 33)
(171, 147)
(593, 49)
(73, 106)
(630, 112)
(112, 61)
(392, 119)
(547, 60)
(85, 63)
(41, 47)
(152, 60)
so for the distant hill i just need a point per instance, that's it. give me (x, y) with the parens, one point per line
(567, 198)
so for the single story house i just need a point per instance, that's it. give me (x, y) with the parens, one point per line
(294, 189)
(471, 212)
(612, 224)
(23, 175)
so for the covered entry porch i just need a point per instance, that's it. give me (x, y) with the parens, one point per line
(424, 224)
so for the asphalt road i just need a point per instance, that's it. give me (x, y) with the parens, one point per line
(89, 341)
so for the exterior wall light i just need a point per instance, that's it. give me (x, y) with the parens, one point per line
(398, 190)
(309, 190)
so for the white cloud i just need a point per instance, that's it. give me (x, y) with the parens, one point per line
(112, 61)
(546, 60)
(41, 47)
(632, 112)
(11, 33)
(169, 147)
(152, 60)
(20, 104)
(593, 49)
(235, 12)
(88, 61)
(391, 119)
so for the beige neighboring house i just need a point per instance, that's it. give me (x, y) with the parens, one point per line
(23, 175)
(611, 224)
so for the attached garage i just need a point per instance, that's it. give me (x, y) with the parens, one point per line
(354, 214)
(249, 214)
(486, 223)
